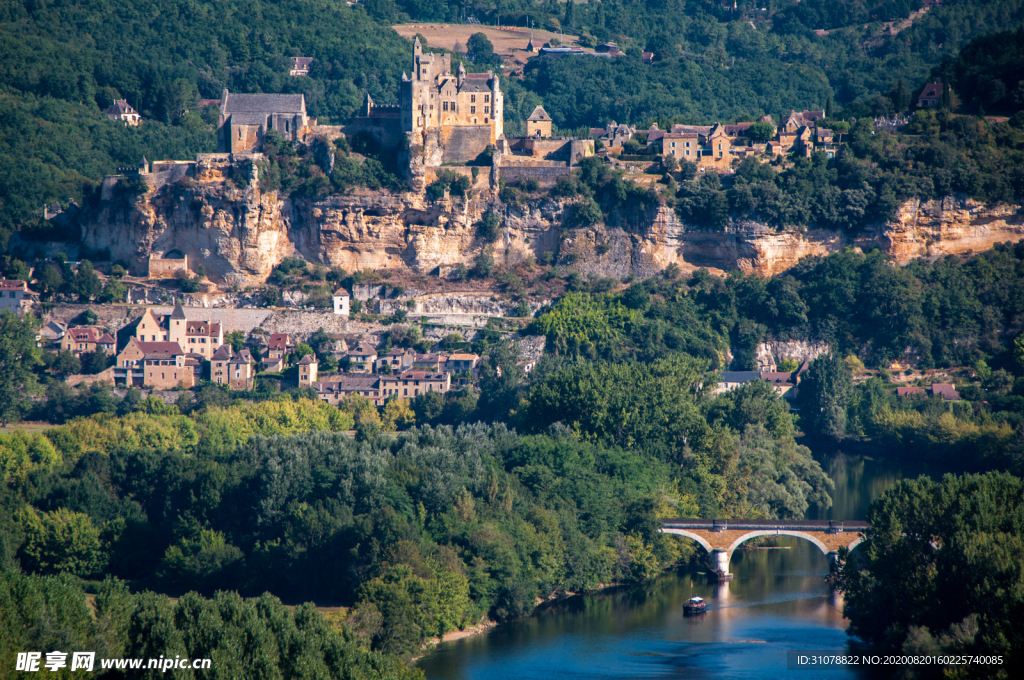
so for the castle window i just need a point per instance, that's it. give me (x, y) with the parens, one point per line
(472, 109)
(487, 109)
(486, 120)
(472, 98)
(445, 106)
(487, 98)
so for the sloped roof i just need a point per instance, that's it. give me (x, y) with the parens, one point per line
(307, 360)
(152, 349)
(422, 375)
(539, 114)
(363, 349)
(243, 357)
(946, 391)
(178, 312)
(278, 341)
(739, 376)
(264, 103)
(932, 91)
(223, 353)
(301, 62)
(474, 86)
(119, 108)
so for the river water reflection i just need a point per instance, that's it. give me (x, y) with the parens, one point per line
(778, 601)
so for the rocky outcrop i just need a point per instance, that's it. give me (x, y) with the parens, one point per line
(223, 221)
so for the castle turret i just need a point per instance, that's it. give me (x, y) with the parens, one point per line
(417, 48)
(461, 74)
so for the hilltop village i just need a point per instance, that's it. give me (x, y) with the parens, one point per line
(449, 134)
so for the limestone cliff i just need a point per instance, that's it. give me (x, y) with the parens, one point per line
(222, 220)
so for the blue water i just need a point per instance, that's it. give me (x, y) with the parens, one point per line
(778, 601)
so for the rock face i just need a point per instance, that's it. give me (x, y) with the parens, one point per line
(223, 221)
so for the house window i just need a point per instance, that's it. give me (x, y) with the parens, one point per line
(472, 98)
(472, 109)
(673, 145)
(445, 106)
(687, 152)
(487, 98)
(487, 109)
(487, 120)
(719, 146)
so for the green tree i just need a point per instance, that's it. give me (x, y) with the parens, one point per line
(938, 555)
(761, 132)
(61, 541)
(825, 392)
(66, 363)
(86, 282)
(17, 358)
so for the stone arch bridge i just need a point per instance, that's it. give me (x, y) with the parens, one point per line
(721, 537)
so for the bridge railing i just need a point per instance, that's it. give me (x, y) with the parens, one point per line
(823, 525)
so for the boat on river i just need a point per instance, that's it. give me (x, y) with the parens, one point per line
(695, 605)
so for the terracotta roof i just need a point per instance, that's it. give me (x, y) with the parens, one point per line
(463, 357)
(777, 378)
(946, 391)
(202, 328)
(931, 91)
(171, 348)
(278, 341)
(910, 391)
(13, 284)
(341, 291)
(301, 62)
(90, 334)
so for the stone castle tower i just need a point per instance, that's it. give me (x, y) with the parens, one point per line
(462, 114)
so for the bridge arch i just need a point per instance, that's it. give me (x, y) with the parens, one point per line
(689, 534)
(777, 532)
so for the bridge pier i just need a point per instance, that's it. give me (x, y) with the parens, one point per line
(833, 561)
(720, 563)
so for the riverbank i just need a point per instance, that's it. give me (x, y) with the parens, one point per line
(486, 626)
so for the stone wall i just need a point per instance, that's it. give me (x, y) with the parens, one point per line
(464, 142)
(163, 268)
(545, 176)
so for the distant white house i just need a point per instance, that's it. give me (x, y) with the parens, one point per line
(15, 295)
(341, 302)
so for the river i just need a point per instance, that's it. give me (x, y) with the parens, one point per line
(778, 601)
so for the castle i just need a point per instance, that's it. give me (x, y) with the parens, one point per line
(464, 111)
(461, 114)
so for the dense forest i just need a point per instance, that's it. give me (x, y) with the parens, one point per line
(422, 531)
(940, 571)
(63, 64)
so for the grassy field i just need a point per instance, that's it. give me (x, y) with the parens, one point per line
(510, 42)
(29, 427)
